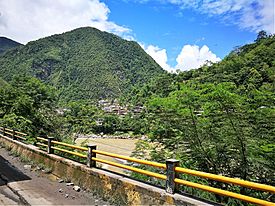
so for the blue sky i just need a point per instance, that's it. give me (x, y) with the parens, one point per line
(178, 34)
(168, 26)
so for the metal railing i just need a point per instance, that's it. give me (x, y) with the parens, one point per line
(50, 146)
(171, 168)
(12, 133)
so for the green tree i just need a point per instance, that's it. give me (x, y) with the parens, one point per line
(28, 105)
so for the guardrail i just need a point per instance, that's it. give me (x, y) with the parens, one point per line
(171, 168)
(13, 133)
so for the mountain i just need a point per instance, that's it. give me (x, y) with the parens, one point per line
(250, 65)
(83, 64)
(6, 44)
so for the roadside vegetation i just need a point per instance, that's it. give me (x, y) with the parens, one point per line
(219, 118)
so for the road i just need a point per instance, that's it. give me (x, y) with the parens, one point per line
(24, 184)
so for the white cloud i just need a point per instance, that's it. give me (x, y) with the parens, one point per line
(267, 19)
(159, 55)
(192, 57)
(25, 20)
(254, 15)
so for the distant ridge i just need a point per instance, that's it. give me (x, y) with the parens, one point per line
(6, 43)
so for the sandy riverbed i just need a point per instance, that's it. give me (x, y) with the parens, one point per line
(117, 146)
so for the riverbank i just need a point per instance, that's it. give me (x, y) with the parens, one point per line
(113, 145)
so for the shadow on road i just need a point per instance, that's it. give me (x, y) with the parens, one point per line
(9, 173)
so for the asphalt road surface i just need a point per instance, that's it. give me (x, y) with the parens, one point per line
(24, 184)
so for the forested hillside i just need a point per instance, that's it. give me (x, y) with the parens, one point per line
(252, 64)
(82, 64)
(218, 119)
(6, 44)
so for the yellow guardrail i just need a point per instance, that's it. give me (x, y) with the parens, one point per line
(21, 133)
(141, 171)
(145, 162)
(224, 192)
(17, 136)
(9, 133)
(7, 129)
(70, 145)
(42, 139)
(220, 178)
(194, 173)
(13, 133)
(41, 144)
(63, 144)
(70, 152)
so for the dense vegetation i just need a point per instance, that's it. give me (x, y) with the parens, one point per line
(27, 104)
(218, 118)
(6, 44)
(82, 64)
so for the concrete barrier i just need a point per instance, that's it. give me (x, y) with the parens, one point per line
(115, 188)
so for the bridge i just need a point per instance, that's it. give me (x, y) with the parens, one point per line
(82, 165)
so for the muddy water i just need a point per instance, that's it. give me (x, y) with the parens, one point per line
(117, 146)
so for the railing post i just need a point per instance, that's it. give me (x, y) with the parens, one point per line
(49, 148)
(90, 155)
(171, 186)
(4, 131)
(13, 134)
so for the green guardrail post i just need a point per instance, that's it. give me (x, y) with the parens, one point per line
(171, 174)
(90, 155)
(49, 148)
